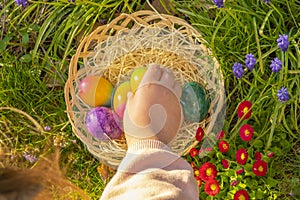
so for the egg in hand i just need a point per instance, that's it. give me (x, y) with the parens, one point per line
(120, 98)
(136, 77)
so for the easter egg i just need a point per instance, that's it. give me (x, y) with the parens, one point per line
(136, 77)
(95, 91)
(120, 98)
(195, 102)
(100, 121)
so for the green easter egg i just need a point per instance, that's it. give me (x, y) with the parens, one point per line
(195, 102)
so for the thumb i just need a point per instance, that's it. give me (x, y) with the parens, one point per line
(129, 99)
(129, 96)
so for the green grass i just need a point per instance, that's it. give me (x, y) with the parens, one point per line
(37, 42)
(22, 88)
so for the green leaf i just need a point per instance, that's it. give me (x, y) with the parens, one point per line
(294, 182)
(296, 191)
(285, 144)
(222, 193)
(248, 167)
(3, 43)
(26, 58)
(34, 27)
(252, 195)
(272, 182)
(258, 144)
(283, 135)
(242, 185)
(251, 182)
(230, 172)
(219, 156)
(259, 194)
(25, 38)
(277, 151)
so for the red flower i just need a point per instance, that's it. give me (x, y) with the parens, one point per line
(198, 179)
(194, 152)
(199, 134)
(221, 135)
(241, 156)
(246, 132)
(239, 171)
(244, 110)
(234, 183)
(225, 163)
(271, 154)
(241, 195)
(257, 156)
(212, 187)
(208, 171)
(260, 168)
(223, 146)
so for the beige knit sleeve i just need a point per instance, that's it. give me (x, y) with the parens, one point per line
(151, 171)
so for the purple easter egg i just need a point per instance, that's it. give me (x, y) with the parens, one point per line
(100, 121)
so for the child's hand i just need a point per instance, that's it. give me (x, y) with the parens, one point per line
(154, 111)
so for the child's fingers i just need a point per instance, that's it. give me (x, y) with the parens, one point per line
(152, 74)
(163, 77)
(167, 79)
(177, 90)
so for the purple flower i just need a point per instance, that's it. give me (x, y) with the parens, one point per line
(238, 70)
(276, 65)
(21, 2)
(73, 1)
(250, 61)
(267, 1)
(219, 3)
(30, 157)
(283, 94)
(47, 128)
(283, 42)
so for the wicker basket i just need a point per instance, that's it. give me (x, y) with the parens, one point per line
(134, 40)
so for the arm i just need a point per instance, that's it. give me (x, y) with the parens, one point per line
(151, 121)
(151, 171)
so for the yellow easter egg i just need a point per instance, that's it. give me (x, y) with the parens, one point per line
(120, 98)
(95, 91)
(136, 77)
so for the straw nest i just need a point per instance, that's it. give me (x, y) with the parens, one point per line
(114, 50)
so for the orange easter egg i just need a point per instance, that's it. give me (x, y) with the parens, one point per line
(95, 91)
(136, 77)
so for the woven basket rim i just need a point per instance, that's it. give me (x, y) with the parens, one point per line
(120, 24)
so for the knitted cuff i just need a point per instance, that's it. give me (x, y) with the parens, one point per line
(148, 144)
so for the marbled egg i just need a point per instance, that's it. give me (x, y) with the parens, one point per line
(195, 102)
(100, 121)
(95, 91)
(136, 77)
(120, 98)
